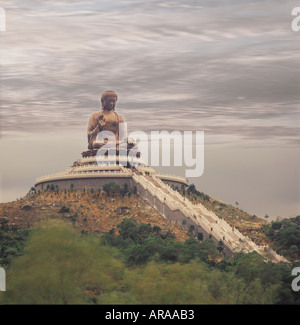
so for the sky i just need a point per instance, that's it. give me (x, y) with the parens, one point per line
(228, 68)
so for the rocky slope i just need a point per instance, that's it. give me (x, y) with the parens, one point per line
(95, 212)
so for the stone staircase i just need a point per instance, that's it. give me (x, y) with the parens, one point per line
(162, 197)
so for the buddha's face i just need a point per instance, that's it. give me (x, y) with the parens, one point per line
(109, 103)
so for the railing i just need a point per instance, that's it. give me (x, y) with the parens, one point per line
(218, 231)
(81, 174)
(97, 172)
(221, 230)
(172, 177)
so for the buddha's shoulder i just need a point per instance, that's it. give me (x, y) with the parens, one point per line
(121, 118)
(95, 115)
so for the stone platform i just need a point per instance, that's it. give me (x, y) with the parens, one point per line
(90, 172)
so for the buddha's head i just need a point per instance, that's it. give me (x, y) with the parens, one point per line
(108, 100)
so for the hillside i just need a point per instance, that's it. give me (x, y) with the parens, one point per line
(94, 212)
(99, 212)
(134, 255)
(249, 225)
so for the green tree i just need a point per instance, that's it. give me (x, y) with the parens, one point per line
(200, 236)
(191, 189)
(220, 246)
(12, 242)
(125, 189)
(191, 230)
(111, 188)
(128, 228)
(191, 250)
(32, 190)
(58, 267)
(64, 209)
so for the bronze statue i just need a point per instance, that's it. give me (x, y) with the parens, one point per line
(107, 120)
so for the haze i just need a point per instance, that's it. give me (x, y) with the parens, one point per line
(228, 68)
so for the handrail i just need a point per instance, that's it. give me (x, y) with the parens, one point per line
(221, 230)
(174, 177)
(89, 174)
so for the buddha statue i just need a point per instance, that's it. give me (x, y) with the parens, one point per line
(107, 127)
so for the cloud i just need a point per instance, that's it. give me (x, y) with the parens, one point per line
(175, 65)
(227, 67)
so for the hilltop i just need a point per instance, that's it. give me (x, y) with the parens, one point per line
(91, 211)
(99, 212)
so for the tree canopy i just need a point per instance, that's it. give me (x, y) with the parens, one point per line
(135, 264)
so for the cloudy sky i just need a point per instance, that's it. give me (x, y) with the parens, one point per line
(229, 68)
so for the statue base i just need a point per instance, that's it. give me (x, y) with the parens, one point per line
(116, 152)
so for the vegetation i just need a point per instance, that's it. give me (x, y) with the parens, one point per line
(59, 267)
(111, 188)
(12, 242)
(141, 243)
(137, 265)
(285, 235)
(53, 253)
